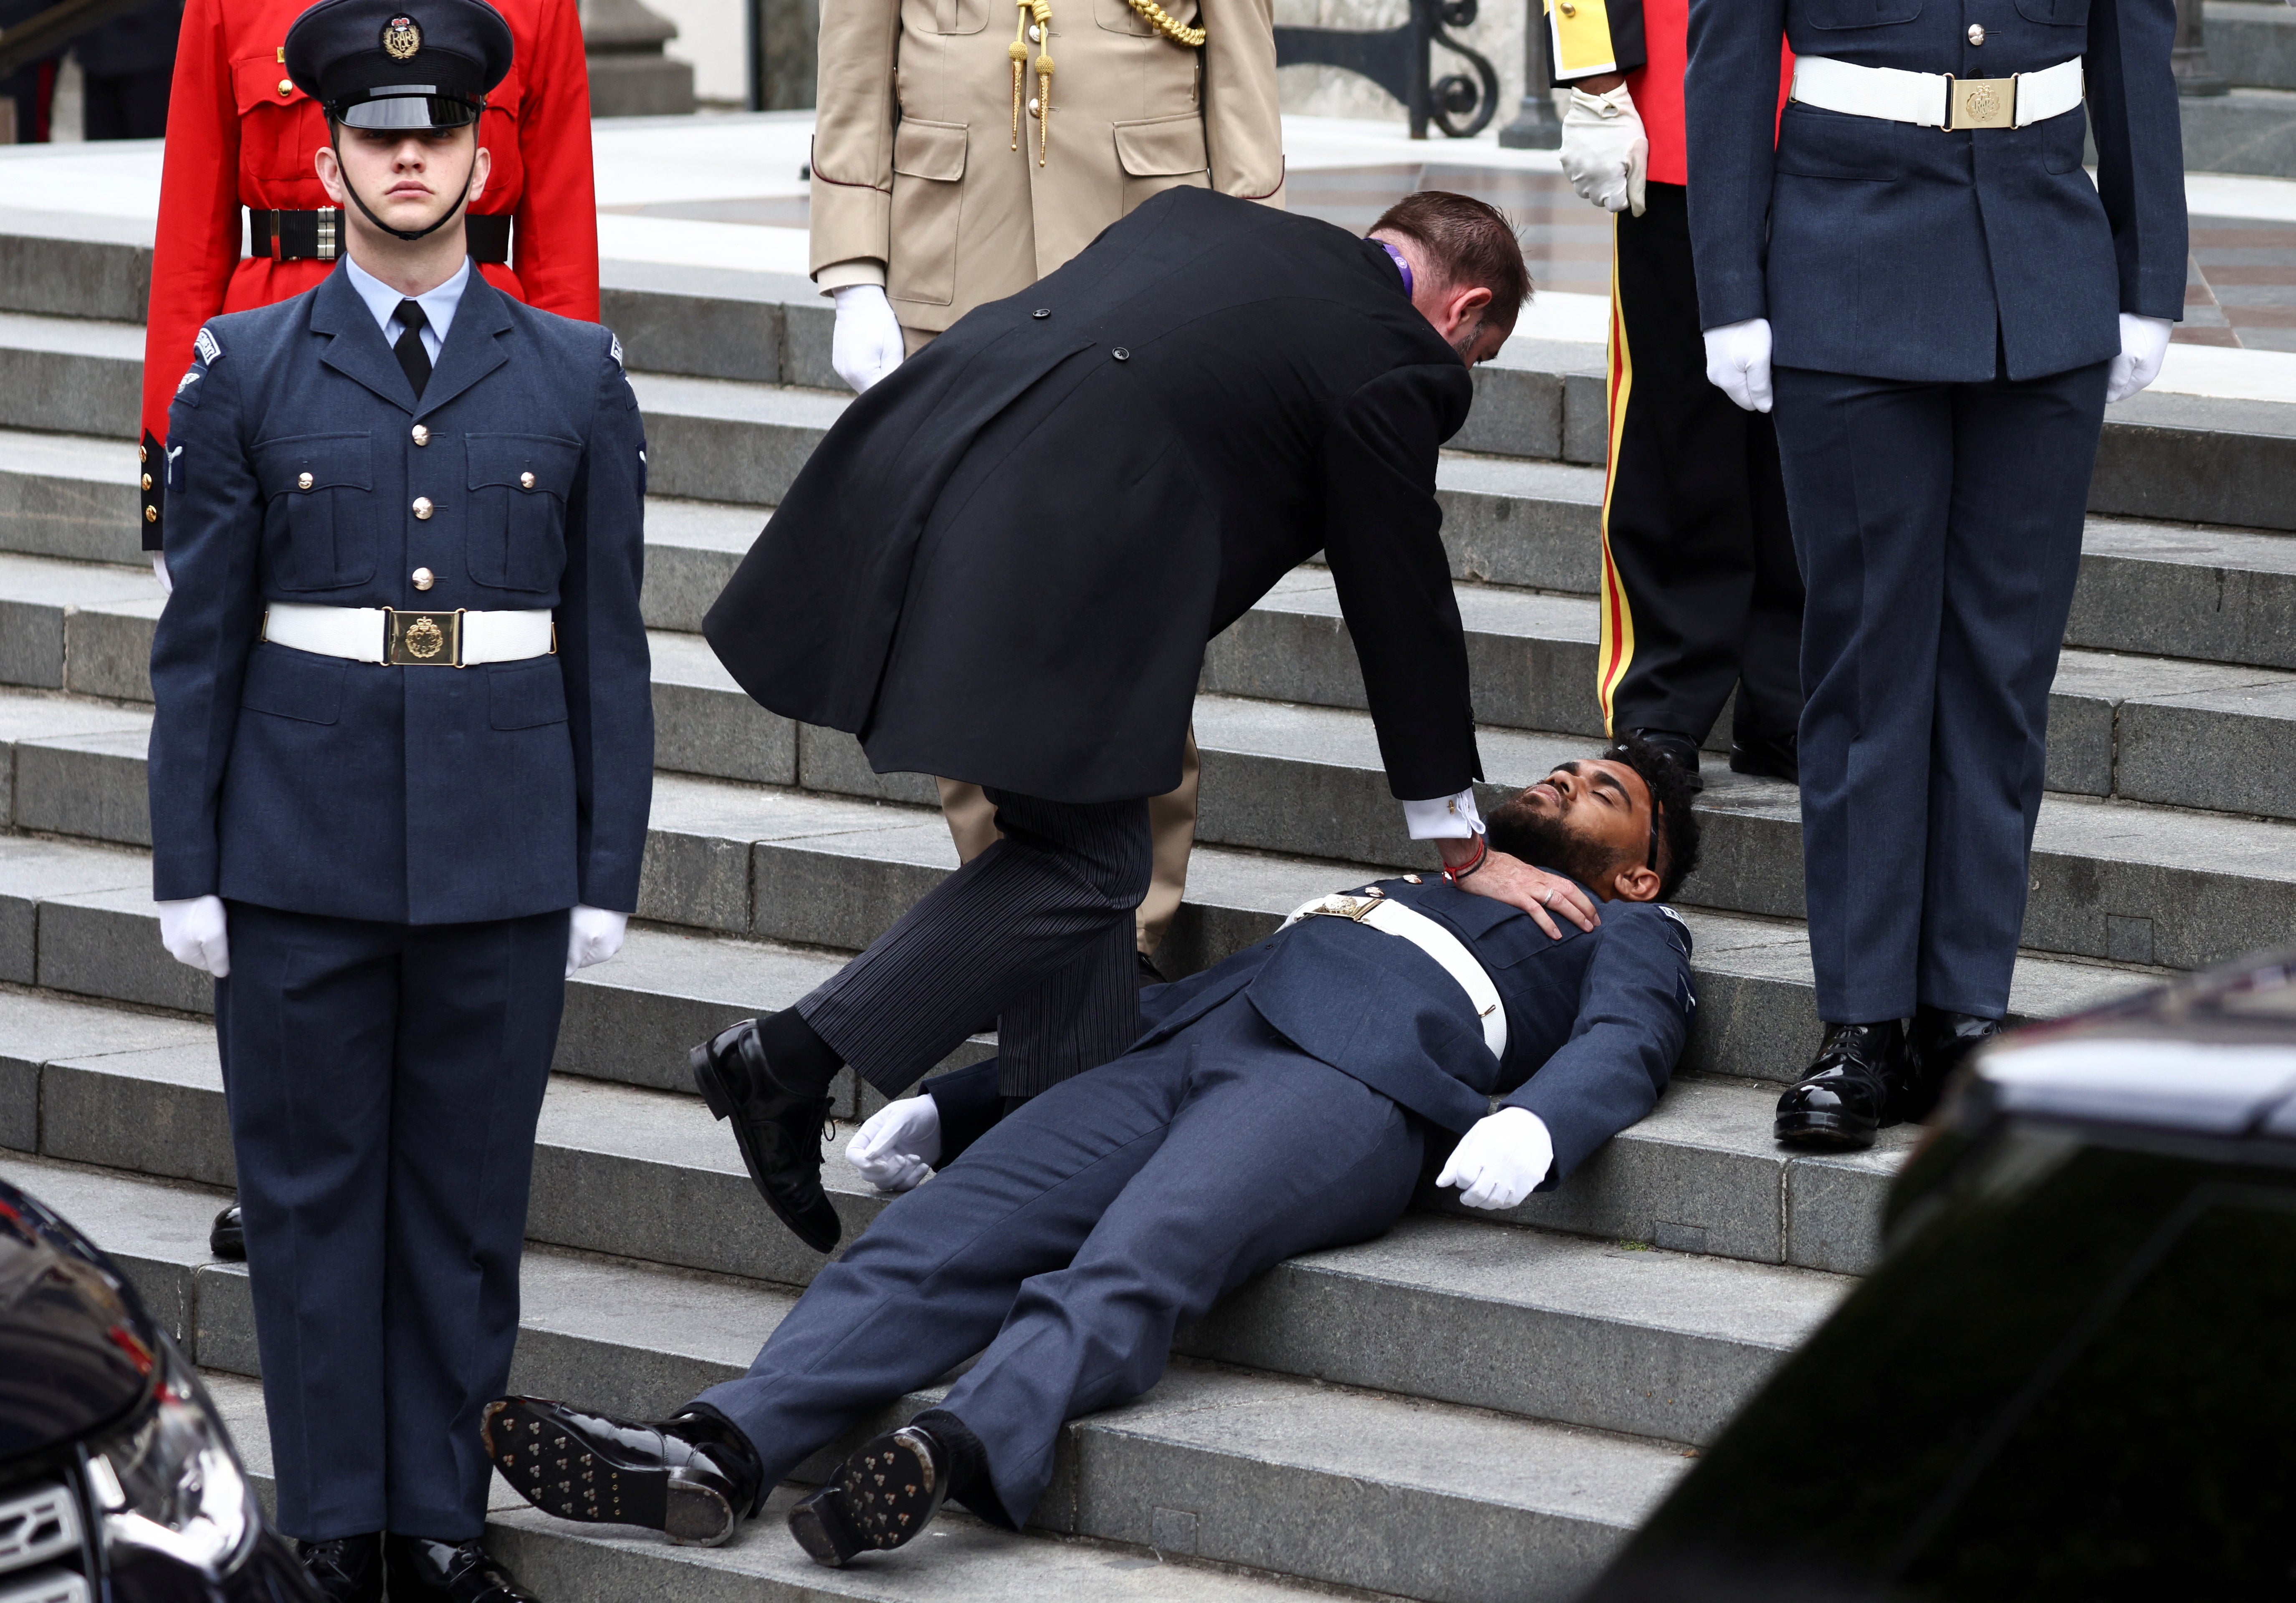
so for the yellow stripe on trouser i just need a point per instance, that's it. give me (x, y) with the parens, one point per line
(1617, 647)
(1581, 34)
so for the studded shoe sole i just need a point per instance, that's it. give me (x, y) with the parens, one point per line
(570, 1479)
(879, 1499)
(706, 1080)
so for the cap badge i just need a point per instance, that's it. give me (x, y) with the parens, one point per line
(401, 38)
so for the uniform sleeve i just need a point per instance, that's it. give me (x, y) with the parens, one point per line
(196, 243)
(555, 233)
(1244, 128)
(1730, 118)
(852, 209)
(1586, 37)
(1383, 537)
(201, 646)
(602, 648)
(2140, 163)
(1635, 1008)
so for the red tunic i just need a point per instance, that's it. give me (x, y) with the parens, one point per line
(239, 134)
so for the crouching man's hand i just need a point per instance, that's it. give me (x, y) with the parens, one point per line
(1500, 1160)
(897, 1148)
(192, 932)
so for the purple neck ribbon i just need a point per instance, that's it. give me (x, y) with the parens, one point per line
(1401, 266)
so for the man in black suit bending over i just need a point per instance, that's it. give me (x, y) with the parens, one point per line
(1004, 561)
(1280, 1102)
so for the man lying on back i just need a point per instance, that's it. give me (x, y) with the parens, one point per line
(1278, 1103)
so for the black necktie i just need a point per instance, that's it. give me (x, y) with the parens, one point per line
(414, 361)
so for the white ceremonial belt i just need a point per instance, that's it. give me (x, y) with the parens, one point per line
(1938, 100)
(460, 639)
(1393, 918)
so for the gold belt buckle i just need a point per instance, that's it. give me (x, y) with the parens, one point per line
(1981, 102)
(1337, 906)
(423, 639)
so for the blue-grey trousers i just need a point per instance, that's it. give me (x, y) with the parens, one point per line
(1939, 530)
(383, 1081)
(1074, 1238)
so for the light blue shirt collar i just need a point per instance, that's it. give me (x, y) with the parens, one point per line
(438, 305)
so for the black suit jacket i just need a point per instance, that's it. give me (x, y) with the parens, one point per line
(1004, 561)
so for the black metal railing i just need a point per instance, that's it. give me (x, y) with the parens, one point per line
(1400, 61)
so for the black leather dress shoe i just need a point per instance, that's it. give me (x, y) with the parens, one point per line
(1778, 759)
(227, 1238)
(1849, 1092)
(347, 1569)
(1939, 1043)
(693, 1478)
(777, 1126)
(879, 1499)
(1677, 749)
(422, 1570)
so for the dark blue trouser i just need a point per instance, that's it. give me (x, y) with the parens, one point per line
(1939, 528)
(384, 1080)
(1073, 1239)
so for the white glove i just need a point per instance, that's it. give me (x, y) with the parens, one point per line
(866, 344)
(897, 1148)
(593, 935)
(1604, 149)
(1500, 1160)
(1738, 362)
(192, 933)
(160, 572)
(2143, 342)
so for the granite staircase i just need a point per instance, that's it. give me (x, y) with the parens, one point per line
(1472, 1408)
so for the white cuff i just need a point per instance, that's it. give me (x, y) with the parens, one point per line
(1444, 817)
(844, 274)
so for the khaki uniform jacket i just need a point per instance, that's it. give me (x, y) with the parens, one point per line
(915, 181)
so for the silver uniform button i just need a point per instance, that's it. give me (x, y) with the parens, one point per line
(1121, 354)
(424, 578)
(302, 481)
(422, 508)
(1034, 111)
(526, 482)
(1036, 34)
(1976, 34)
(422, 435)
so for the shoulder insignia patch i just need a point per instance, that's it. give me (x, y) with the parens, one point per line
(190, 376)
(1671, 913)
(614, 347)
(206, 346)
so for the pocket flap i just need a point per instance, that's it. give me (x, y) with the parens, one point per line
(525, 695)
(256, 80)
(524, 462)
(1165, 148)
(331, 461)
(293, 683)
(929, 150)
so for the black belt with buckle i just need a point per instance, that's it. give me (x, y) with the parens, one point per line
(318, 235)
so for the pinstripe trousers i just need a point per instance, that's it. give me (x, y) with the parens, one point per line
(1036, 931)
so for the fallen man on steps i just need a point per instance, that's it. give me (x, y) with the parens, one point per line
(1278, 1103)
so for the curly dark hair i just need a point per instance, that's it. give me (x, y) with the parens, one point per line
(1671, 795)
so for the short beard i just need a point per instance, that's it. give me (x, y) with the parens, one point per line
(1466, 338)
(1546, 844)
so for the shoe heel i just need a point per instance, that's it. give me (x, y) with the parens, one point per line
(821, 1528)
(706, 1081)
(695, 1516)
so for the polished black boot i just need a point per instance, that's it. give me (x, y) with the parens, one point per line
(227, 1237)
(347, 1569)
(693, 1478)
(1848, 1091)
(769, 1077)
(1776, 759)
(1939, 1043)
(1677, 749)
(885, 1494)
(423, 1571)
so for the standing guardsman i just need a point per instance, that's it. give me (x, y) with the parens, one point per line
(1920, 273)
(240, 137)
(403, 725)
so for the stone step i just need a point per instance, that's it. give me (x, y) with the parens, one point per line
(1298, 1465)
(2175, 457)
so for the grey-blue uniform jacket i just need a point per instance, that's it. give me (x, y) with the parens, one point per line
(404, 794)
(1596, 1020)
(1892, 251)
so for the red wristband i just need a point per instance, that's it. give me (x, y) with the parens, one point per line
(1482, 852)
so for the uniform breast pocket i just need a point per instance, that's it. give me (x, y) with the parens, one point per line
(515, 537)
(319, 510)
(1854, 13)
(1160, 154)
(2063, 13)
